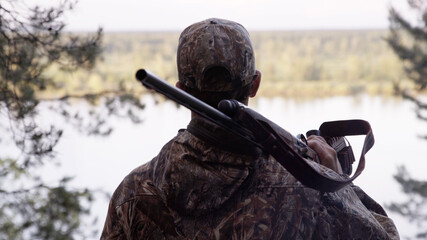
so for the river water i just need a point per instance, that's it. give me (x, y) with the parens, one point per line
(101, 163)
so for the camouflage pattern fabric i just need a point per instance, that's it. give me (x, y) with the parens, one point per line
(195, 190)
(215, 43)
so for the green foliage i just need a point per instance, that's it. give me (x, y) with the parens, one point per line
(319, 63)
(40, 211)
(36, 56)
(409, 42)
(293, 63)
(414, 208)
(32, 42)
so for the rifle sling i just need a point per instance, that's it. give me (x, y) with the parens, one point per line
(351, 128)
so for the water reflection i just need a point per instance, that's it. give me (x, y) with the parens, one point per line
(103, 162)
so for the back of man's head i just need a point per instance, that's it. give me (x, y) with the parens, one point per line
(215, 57)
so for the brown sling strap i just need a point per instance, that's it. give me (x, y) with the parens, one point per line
(351, 128)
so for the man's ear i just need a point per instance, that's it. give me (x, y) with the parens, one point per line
(179, 85)
(256, 84)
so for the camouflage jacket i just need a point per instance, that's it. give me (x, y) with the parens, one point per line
(196, 190)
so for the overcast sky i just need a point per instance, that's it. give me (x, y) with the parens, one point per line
(137, 15)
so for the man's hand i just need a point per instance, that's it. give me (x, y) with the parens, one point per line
(327, 155)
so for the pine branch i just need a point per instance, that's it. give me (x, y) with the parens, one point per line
(420, 104)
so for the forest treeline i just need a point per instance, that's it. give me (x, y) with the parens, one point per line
(293, 63)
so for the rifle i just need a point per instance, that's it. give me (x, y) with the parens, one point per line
(291, 152)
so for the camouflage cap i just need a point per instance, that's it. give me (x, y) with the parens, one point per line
(215, 43)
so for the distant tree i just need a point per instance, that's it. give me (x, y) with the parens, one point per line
(414, 208)
(409, 42)
(32, 39)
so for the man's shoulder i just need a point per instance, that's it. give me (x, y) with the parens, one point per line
(143, 180)
(138, 204)
(136, 183)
